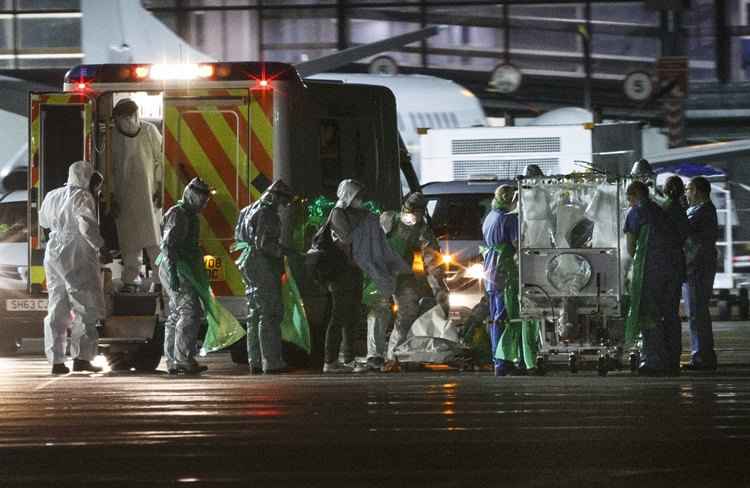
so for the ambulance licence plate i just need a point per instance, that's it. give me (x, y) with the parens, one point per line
(26, 305)
(214, 267)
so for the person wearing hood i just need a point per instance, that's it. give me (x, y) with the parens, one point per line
(137, 198)
(258, 233)
(356, 232)
(407, 232)
(181, 259)
(500, 230)
(71, 266)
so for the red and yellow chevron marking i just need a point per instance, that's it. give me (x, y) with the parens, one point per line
(36, 275)
(220, 137)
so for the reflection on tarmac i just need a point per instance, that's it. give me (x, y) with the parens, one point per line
(399, 429)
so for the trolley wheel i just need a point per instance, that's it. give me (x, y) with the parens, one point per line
(635, 358)
(602, 365)
(573, 363)
(541, 366)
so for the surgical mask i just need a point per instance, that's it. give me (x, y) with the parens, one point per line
(408, 218)
(357, 203)
(129, 125)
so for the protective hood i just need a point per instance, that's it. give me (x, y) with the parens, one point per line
(347, 192)
(195, 195)
(277, 189)
(79, 174)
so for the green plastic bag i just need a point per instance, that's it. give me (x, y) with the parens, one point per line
(223, 329)
(640, 314)
(294, 326)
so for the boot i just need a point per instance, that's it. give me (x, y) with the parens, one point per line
(60, 368)
(191, 369)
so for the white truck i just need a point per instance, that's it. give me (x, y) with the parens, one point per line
(504, 152)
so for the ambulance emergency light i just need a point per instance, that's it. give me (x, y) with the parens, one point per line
(261, 75)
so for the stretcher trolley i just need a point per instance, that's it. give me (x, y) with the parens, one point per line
(572, 262)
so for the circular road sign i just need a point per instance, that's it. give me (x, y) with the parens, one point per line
(638, 86)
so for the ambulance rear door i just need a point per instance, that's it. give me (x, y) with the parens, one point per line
(207, 133)
(60, 133)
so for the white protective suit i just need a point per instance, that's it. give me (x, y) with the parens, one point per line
(71, 264)
(137, 174)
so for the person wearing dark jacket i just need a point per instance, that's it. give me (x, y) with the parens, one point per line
(675, 210)
(357, 233)
(701, 259)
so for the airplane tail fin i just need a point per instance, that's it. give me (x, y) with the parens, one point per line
(122, 31)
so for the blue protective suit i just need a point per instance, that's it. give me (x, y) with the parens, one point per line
(701, 259)
(656, 279)
(499, 227)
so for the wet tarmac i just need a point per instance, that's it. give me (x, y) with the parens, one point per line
(434, 429)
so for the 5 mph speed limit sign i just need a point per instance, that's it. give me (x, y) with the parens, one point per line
(638, 86)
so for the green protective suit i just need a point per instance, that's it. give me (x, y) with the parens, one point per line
(520, 338)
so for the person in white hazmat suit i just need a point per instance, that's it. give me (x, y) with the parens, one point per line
(137, 199)
(71, 264)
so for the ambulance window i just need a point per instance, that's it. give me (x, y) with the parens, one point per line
(330, 160)
(62, 143)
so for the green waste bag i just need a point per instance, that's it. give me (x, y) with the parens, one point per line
(223, 329)
(294, 327)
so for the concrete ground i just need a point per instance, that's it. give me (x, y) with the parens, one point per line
(436, 429)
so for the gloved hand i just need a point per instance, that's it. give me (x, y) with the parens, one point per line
(157, 199)
(114, 209)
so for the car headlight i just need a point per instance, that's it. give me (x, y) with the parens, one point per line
(475, 272)
(568, 273)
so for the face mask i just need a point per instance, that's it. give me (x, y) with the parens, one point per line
(356, 203)
(128, 125)
(408, 218)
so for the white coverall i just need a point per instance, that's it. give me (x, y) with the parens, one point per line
(71, 264)
(137, 174)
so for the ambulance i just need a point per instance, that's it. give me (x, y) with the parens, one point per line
(238, 126)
